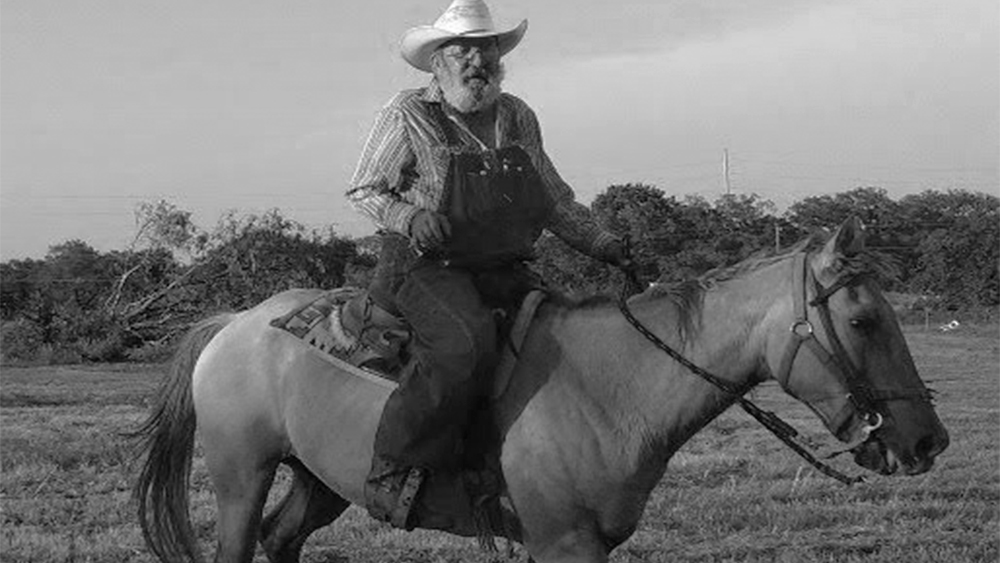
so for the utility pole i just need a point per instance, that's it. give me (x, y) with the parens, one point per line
(777, 238)
(725, 170)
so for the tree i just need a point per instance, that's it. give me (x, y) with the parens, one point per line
(671, 240)
(250, 258)
(162, 225)
(163, 232)
(878, 213)
(958, 246)
(19, 287)
(99, 306)
(746, 225)
(645, 215)
(80, 273)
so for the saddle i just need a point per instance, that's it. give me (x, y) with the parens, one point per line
(347, 327)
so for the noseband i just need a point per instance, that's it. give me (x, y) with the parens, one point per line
(861, 396)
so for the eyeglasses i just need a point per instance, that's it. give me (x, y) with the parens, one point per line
(466, 50)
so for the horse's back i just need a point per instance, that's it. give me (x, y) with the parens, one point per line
(261, 390)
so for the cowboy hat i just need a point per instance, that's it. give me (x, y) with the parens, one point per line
(464, 18)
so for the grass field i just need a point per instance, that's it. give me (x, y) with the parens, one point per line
(733, 493)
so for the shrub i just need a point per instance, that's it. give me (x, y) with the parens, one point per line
(57, 354)
(20, 340)
(107, 348)
(150, 353)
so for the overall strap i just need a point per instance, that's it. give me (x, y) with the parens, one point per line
(445, 124)
(449, 123)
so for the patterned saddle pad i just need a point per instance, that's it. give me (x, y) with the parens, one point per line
(343, 327)
(343, 324)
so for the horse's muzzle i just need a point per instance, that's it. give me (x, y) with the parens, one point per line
(872, 454)
(875, 455)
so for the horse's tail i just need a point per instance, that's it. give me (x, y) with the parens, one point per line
(167, 440)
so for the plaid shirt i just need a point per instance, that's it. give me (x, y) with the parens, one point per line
(405, 163)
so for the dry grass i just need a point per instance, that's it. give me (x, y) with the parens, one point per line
(734, 493)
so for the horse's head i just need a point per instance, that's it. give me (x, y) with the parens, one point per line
(846, 358)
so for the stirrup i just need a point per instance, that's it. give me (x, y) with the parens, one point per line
(407, 496)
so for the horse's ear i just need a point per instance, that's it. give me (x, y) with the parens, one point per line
(848, 240)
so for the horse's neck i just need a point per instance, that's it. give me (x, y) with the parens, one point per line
(659, 403)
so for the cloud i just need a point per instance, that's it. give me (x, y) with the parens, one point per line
(599, 29)
(858, 85)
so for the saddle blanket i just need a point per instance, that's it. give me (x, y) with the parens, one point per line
(320, 325)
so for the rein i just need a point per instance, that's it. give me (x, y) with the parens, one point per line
(860, 393)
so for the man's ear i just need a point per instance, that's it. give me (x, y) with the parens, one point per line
(435, 61)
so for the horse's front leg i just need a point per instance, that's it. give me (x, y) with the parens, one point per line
(557, 523)
(572, 547)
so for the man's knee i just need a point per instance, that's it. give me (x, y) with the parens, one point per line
(447, 313)
(464, 340)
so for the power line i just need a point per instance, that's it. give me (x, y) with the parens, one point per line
(148, 197)
(896, 167)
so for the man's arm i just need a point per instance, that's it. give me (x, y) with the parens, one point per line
(570, 220)
(384, 172)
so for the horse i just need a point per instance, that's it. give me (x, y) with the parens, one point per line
(590, 417)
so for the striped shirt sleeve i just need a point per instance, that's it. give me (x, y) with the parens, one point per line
(571, 220)
(384, 172)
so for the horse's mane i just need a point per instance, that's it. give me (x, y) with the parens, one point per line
(688, 296)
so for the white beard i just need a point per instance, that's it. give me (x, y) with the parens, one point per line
(470, 96)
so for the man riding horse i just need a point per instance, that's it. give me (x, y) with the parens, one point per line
(455, 176)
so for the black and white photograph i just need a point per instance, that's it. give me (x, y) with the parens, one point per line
(499, 281)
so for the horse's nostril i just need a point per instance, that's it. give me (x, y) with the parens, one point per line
(928, 447)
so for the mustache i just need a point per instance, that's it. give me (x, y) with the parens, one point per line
(465, 95)
(485, 73)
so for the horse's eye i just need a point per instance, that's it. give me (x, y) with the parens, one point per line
(863, 324)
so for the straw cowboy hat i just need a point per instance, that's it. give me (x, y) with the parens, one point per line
(464, 18)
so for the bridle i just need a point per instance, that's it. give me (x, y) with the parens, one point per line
(861, 396)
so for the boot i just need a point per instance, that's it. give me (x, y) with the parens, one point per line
(390, 490)
(410, 497)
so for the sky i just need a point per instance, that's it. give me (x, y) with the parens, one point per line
(251, 105)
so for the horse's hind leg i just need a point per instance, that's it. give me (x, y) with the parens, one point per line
(241, 457)
(308, 506)
(240, 492)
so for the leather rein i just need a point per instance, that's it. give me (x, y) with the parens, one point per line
(861, 396)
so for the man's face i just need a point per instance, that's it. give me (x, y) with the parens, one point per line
(469, 72)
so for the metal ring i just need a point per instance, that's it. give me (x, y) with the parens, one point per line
(868, 428)
(802, 322)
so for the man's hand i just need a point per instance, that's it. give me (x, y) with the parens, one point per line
(429, 229)
(619, 254)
